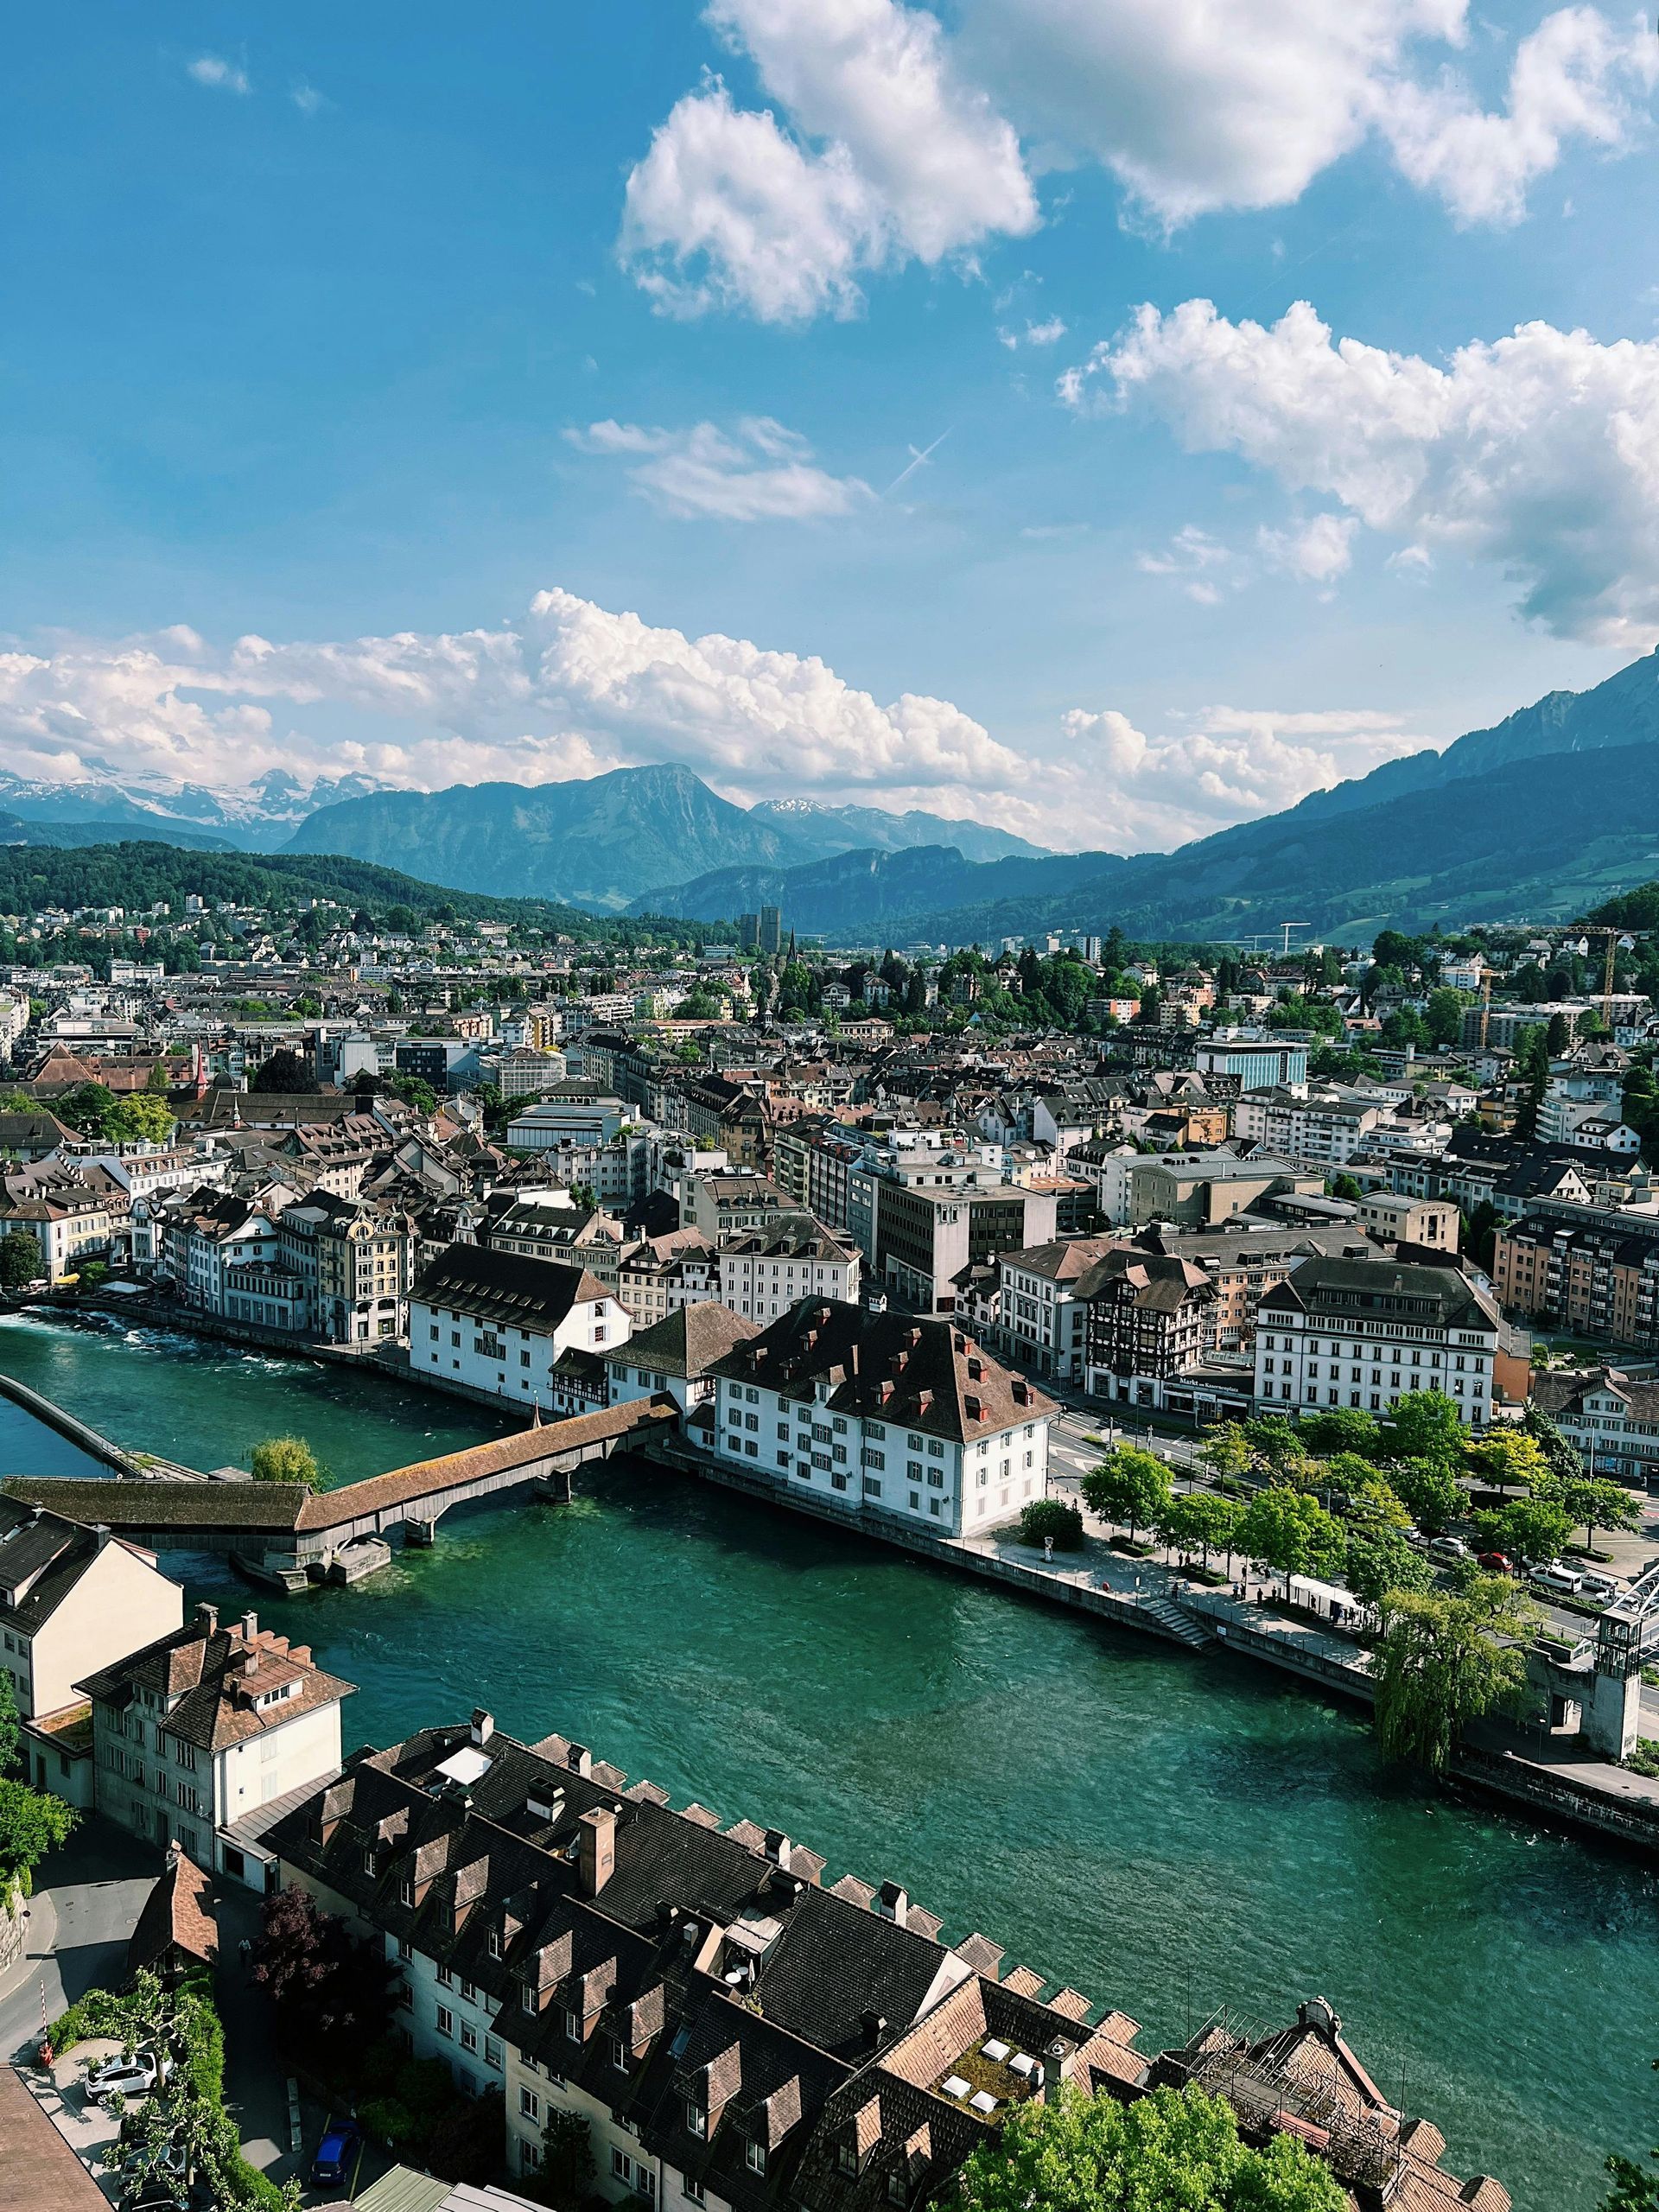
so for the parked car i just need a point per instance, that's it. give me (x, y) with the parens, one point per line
(1415, 1536)
(1555, 1574)
(169, 2163)
(130, 2074)
(1496, 1562)
(1447, 1547)
(1603, 1588)
(330, 2169)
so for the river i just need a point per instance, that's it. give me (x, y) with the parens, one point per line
(1167, 1833)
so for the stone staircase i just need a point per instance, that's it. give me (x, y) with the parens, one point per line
(1185, 1627)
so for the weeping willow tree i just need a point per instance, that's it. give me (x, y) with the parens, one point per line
(1445, 1659)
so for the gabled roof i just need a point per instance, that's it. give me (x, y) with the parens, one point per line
(177, 1918)
(688, 1342)
(505, 1286)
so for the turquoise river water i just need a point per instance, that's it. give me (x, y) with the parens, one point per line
(1168, 1834)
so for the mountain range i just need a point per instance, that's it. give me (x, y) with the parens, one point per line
(607, 840)
(1554, 808)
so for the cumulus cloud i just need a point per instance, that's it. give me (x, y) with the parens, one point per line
(221, 76)
(1538, 452)
(759, 473)
(1316, 552)
(887, 141)
(574, 689)
(1578, 76)
(889, 155)
(1221, 766)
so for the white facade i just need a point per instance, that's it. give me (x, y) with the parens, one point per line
(1304, 1362)
(760, 1285)
(514, 1363)
(951, 1489)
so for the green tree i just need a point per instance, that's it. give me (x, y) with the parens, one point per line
(1429, 1491)
(85, 1108)
(1380, 1560)
(1129, 1486)
(1054, 1518)
(287, 1460)
(283, 1072)
(1446, 1659)
(1226, 1452)
(1562, 1460)
(1594, 1503)
(11, 1734)
(1443, 1015)
(1510, 1459)
(1344, 1187)
(566, 2175)
(1341, 1428)
(21, 1259)
(1533, 1528)
(1291, 1533)
(140, 1117)
(32, 1822)
(1635, 2188)
(1174, 2151)
(1424, 1424)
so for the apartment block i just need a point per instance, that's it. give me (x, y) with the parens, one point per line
(1342, 1332)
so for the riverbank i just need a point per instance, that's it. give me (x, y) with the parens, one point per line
(1170, 1833)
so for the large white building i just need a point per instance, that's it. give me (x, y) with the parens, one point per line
(883, 1413)
(1367, 1333)
(531, 1331)
(202, 1728)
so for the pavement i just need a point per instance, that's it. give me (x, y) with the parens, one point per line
(84, 1908)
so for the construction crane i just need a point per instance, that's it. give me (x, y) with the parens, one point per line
(1284, 949)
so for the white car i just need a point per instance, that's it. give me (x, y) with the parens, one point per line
(1447, 1547)
(1601, 1588)
(131, 2076)
(1556, 1575)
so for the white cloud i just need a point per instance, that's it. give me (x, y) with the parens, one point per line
(890, 156)
(1315, 552)
(222, 76)
(575, 689)
(887, 141)
(1576, 76)
(1227, 763)
(306, 98)
(1538, 452)
(1207, 569)
(759, 473)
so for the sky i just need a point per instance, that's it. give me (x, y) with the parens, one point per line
(1109, 418)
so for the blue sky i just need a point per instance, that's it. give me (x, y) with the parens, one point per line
(367, 373)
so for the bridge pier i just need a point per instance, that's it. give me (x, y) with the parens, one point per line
(555, 1486)
(420, 1535)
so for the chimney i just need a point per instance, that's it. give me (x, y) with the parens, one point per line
(208, 1617)
(579, 1759)
(481, 1727)
(895, 1901)
(874, 2025)
(249, 1627)
(778, 1848)
(1053, 2060)
(545, 1801)
(101, 1531)
(596, 1848)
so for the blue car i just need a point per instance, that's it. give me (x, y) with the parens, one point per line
(340, 2141)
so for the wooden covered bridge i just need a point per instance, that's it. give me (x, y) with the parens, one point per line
(284, 1525)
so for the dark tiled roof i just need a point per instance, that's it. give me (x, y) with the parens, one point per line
(687, 1342)
(921, 1373)
(505, 1286)
(214, 1679)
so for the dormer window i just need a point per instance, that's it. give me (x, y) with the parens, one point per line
(368, 1859)
(754, 2156)
(619, 2054)
(696, 2119)
(895, 2187)
(573, 2024)
(495, 1942)
(526, 1997)
(406, 1889)
(846, 2158)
